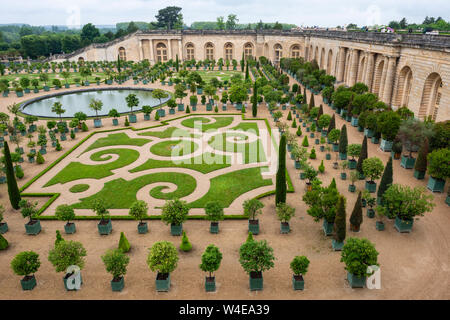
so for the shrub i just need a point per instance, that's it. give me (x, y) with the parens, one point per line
(214, 211)
(124, 245)
(305, 142)
(162, 257)
(175, 212)
(138, 210)
(373, 168)
(289, 117)
(84, 127)
(299, 131)
(357, 218)
(421, 162)
(439, 164)
(284, 212)
(334, 135)
(156, 119)
(211, 259)
(340, 220)
(388, 123)
(256, 256)
(294, 124)
(358, 254)
(188, 110)
(299, 265)
(386, 179)
(249, 237)
(27, 208)
(343, 140)
(19, 172)
(313, 155)
(362, 156)
(321, 167)
(59, 238)
(64, 213)
(26, 263)
(67, 253)
(3, 242)
(354, 150)
(322, 201)
(39, 158)
(116, 262)
(252, 208)
(405, 202)
(324, 121)
(185, 246)
(99, 208)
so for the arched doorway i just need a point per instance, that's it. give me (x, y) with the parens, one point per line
(361, 69)
(404, 87)
(377, 78)
(431, 96)
(322, 59)
(329, 61)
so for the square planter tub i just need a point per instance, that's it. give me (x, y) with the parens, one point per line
(298, 283)
(253, 226)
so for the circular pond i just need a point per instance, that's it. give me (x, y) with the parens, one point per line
(74, 101)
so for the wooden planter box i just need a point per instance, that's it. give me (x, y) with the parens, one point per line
(298, 283)
(419, 175)
(132, 118)
(214, 227)
(171, 111)
(379, 225)
(146, 117)
(354, 122)
(256, 281)
(210, 284)
(351, 188)
(97, 123)
(28, 282)
(407, 162)
(115, 122)
(161, 112)
(352, 164)
(386, 145)
(327, 227)
(355, 281)
(118, 285)
(435, 185)
(253, 226)
(162, 282)
(33, 227)
(176, 229)
(370, 213)
(3, 227)
(70, 228)
(371, 186)
(337, 246)
(403, 225)
(284, 228)
(180, 107)
(142, 228)
(343, 156)
(105, 229)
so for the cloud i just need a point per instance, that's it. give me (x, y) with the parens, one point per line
(328, 13)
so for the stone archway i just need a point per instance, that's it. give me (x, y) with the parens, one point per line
(404, 87)
(431, 96)
(377, 78)
(329, 61)
(322, 59)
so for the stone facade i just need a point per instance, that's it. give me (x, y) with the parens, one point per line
(402, 69)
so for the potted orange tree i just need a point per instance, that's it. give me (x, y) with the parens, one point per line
(28, 210)
(252, 208)
(373, 168)
(26, 264)
(116, 263)
(214, 213)
(299, 266)
(211, 259)
(163, 258)
(138, 211)
(66, 213)
(284, 213)
(358, 254)
(175, 212)
(105, 225)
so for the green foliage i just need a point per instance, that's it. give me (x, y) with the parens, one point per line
(26, 263)
(357, 217)
(321, 167)
(388, 123)
(299, 265)
(299, 131)
(441, 136)
(421, 162)
(294, 124)
(13, 189)
(340, 220)
(373, 168)
(438, 163)
(185, 245)
(386, 179)
(84, 127)
(322, 201)
(174, 212)
(305, 142)
(256, 256)
(343, 140)
(64, 212)
(27, 208)
(284, 212)
(214, 211)
(138, 210)
(334, 135)
(354, 150)
(313, 155)
(289, 117)
(116, 262)
(59, 238)
(162, 257)
(358, 254)
(252, 208)
(124, 245)
(324, 121)
(99, 208)
(405, 202)
(281, 187)
(362, 156)
(332, 124)
(211, 259)
(188, 109)
(249, 237)
(3, 243)
(67, 253)
(19, 173)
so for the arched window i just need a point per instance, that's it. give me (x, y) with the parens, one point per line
(161, 52)
(190, 51)
(248, 50)
(209, 51)
(122, 54)
(278, 52)
(295, 51)
(228, 51)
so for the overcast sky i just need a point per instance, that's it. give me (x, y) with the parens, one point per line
(328, 13)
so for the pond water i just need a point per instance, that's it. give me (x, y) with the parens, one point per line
(74, 102)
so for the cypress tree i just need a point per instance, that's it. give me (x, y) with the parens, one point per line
(254, 101)
(247, 76)
(305, 100)
(421, 162)
(294, 124)
(333, 184)
(177, 64)
(386, 179)
(118, 64)
(343, 140)
(319, 113)
(242, 62)
(13, 190)
(340, 220)
(362, 156)
(299, 131)
(289, 117)
(281, 173)
(311, 102)
(305, 142)
(356, 218)
(332, 124)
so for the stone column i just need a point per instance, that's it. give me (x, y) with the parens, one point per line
(353, 67)
(169, 48)
(141, 54)
(370, 64)
(180, 52)
(306, 51)
(389, 82)
(341, 64)
(152, 58)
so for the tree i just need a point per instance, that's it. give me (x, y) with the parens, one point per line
(116, 263)
(67, 253)
(299, 265)
(159, 94)
(252, 208)
(343, 140)
(256, 256)
(324, 121)
(255, 100)
(185, 244)
(362, 156)
(372, 168)
(356, 218)
(26, 263)
(59, 237)
(88, 33)
(96, 105)
(332, 124)
(438, 164)
(232, 22)
(281, 173)
(174, 212)
(220, 24)
(99, 208)
(284, 212)
(57, 108)
(322, 201)
(340, 220)
(132, 101)
(412, 133)
(386, 180)
(421, 162)
(170, 17)
(214, 211)
(64, 212)
(358, 254)
(211, 259)
(162, 257)
(138, 210)
(13, 189)
(354, 150)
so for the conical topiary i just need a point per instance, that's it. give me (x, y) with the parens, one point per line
(340, 221)
(343, 140)
(249, 237)
(124, 245)
(357, 217)
(280, 188)
(313, 155)
(3, 243)
(321, 167)
(185, 244)
(299, 131)
(39, 158)
(386, 179)
(333, 184)
(311, 102)
(319, 113)
(294, 124)
(289, 117)
(362, 156)
(13, 190)
(188, 110)
(59, 238)
(305, 142)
